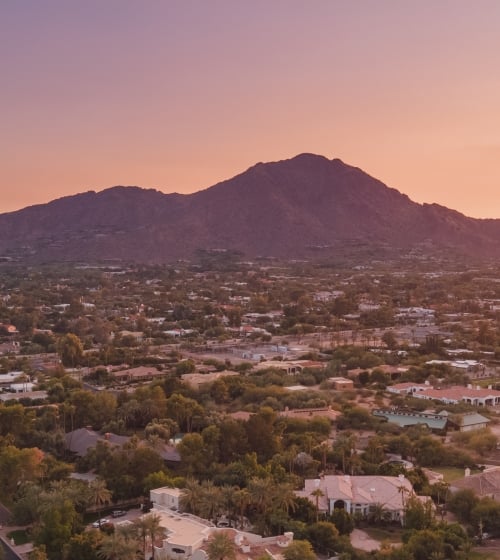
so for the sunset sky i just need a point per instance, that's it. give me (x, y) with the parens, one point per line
(180, 94)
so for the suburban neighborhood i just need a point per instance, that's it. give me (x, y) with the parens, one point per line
(269, 409)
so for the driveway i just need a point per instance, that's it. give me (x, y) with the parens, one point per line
(362, 541)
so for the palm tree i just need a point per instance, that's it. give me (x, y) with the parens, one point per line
(221, 547)
(318, 493)
(242, 500)
(210, 500)
(99, 495)
(227, 494)
(190, 499)
(115, 547)
(142, 528)
(260, 489)
(377, 513)
(284, 497)
(155, 530)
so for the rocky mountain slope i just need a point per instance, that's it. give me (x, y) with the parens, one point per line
(297, 208)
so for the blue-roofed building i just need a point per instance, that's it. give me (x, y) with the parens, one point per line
(405, 418)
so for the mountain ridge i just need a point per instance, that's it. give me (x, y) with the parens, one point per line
(283, 209)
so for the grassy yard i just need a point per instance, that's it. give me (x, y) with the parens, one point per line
(452, 473)
(388, 534)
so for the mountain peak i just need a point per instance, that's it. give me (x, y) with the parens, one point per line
(290, 208)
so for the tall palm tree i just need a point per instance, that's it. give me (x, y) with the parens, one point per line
(155, 529)
(99, 495)
(221, 547)
(260, 489)
(228, 505)
(190, 498)
(149, 527)
(115, 547)
(210, 500)
(284, 497)
(242, 500)
(142, 528)
(318, 493)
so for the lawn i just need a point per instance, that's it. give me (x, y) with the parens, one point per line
(452, 473)
(381, 534)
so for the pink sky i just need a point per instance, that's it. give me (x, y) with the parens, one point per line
(181, 94)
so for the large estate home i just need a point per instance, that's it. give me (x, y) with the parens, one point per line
(475, 396)
(359, 495)
(186, 535)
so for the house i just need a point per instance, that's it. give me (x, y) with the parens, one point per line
(341, 383)
(484, 484)
(7, 378)
(166, 497)
(187, 535)
(359, 495)
(309, 413)
(32, 395)
(405, 418)
(456, 394)
(11, 347)
(81, 440)
(469, 422)
(408, 388)
(196, 380)
(294, 367)
(137, 374)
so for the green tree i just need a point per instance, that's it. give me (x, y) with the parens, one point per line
(221, 547)
(70, 350)
(299, 550)
(58, 522)
(462, 503)
(99, 495)
(424, 544)
(324, 537)
(418, 515)
(342, 520)
(149, 527)
(18, 466)
(117, 547)
(83, 546)
(38, 553)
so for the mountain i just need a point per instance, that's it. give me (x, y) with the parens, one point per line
(296, 208)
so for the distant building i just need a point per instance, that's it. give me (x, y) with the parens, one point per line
(405, 418)
(81, 440)
(469, 422)
(196, 380)
(137, 374)
(294, 367)
(309, 413)
(340, 383)
(408, 388)
(469, 395)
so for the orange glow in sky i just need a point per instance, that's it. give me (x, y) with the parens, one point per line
(180, 94)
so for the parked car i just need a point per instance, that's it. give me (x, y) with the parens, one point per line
(100, 522)
(119, 513)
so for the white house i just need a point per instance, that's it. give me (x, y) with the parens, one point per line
(359, 494)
